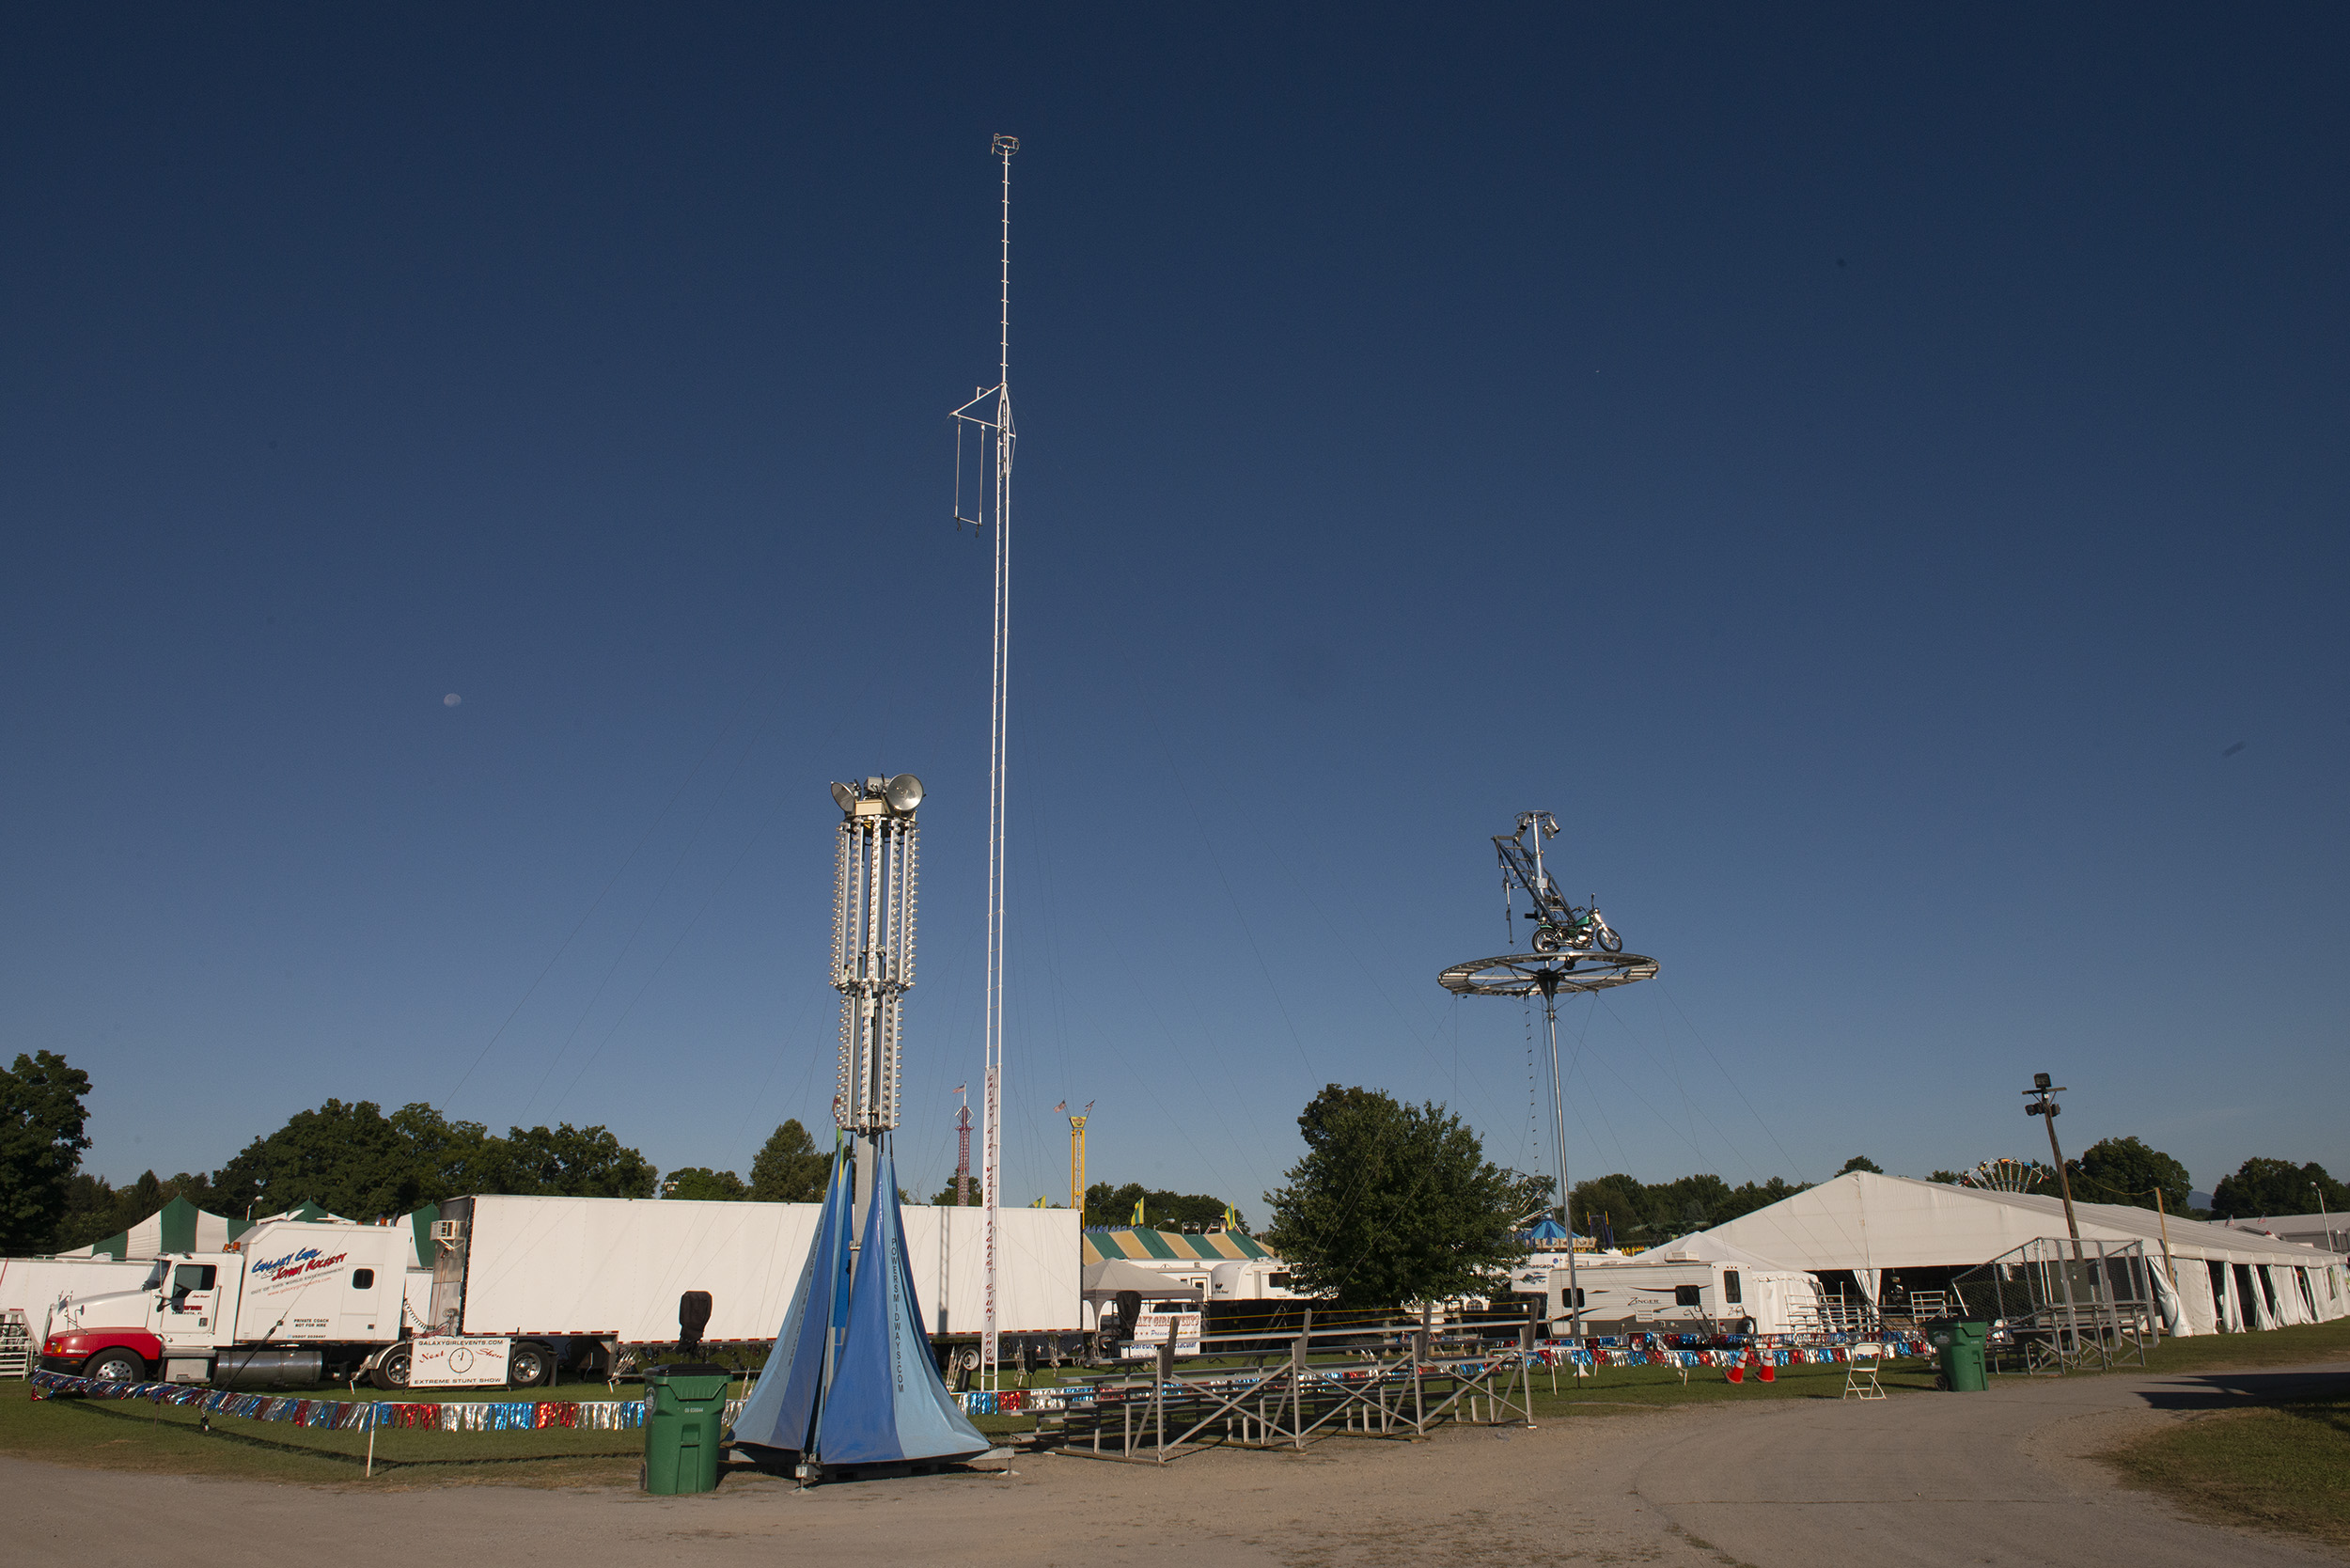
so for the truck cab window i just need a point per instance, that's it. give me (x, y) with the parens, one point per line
(192, 1276)
(1731, 1291)
(363, 1279)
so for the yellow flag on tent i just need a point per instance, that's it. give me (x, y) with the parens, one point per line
(1232, 1220)
(1137, 1211)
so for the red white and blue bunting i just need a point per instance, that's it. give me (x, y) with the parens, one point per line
(536, 1415)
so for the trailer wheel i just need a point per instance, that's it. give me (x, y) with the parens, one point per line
(391, 1371)
(116, 1366)
(530, 1366)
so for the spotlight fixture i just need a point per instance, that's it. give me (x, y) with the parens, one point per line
(876, 796)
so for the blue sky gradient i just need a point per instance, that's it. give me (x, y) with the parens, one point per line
(1865, 472)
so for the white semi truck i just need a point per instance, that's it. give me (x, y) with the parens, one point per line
(566, 1281)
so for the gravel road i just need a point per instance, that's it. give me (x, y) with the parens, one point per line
(1930, 1479)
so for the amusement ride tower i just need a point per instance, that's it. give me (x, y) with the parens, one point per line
(851, 1381)
(1575, 951)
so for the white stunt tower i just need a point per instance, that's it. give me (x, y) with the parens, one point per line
(875, 861)
(989, 415)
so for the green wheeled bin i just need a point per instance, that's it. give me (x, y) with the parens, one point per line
(685, 1419)
(1958, 1346)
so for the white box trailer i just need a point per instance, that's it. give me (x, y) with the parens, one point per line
(612, 1269)
(34, 1286)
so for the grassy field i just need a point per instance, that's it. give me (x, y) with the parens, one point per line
(133, 1435)
(129, 1434)
(2278, 1460)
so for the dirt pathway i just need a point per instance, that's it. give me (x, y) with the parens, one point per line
(1926, 1480)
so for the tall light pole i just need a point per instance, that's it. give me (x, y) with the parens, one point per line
(2047, 1110)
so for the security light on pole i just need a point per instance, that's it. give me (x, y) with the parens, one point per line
(2043, 1106)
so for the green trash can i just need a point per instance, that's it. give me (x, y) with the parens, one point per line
(684, 1428)
(1958, 1345)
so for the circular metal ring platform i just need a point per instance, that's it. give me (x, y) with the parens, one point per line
(1546, 974)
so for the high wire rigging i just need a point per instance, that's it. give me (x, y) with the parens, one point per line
(993, 426)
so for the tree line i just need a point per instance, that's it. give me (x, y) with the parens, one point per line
(349, 1158)
(1391, 1197)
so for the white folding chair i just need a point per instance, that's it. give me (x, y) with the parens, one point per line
(1860, 1371)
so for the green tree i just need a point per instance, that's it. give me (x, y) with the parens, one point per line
(700, 1182)
(346, 1158)
(1161, 1209)
(1392, 1203)
(1860, 1162)
(2263, 1187)
(41, 1139)
(357, 1162)
(1614, 1209)
(2126, 1170)
(574, 1161)
(1750, 1196)
(790, 1168)
(449, 1159)
(1948, 1178)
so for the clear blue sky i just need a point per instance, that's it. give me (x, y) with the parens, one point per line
(1865, 472)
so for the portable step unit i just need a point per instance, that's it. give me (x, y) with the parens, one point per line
(16, 1344)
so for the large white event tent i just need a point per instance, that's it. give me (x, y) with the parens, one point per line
(2228, 1280)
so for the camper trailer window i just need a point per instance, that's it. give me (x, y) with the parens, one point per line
(1686, 1295)
(192, 1277)
(1278, 1281)
(1731, 1291)
(363, 1279)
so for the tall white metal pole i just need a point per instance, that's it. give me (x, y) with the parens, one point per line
(997, 780)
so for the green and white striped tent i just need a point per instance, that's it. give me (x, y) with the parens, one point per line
(179, 1226)
(1143, 1244)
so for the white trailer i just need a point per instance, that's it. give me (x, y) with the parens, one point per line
(1685, 1295)
(568, 1280)
(612, 1270)
(34, 1286)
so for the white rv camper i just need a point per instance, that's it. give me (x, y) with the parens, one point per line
(1676, 1294)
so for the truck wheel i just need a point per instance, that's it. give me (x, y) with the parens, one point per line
(530, 1366)
(392, 1371)
(116, 1366)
